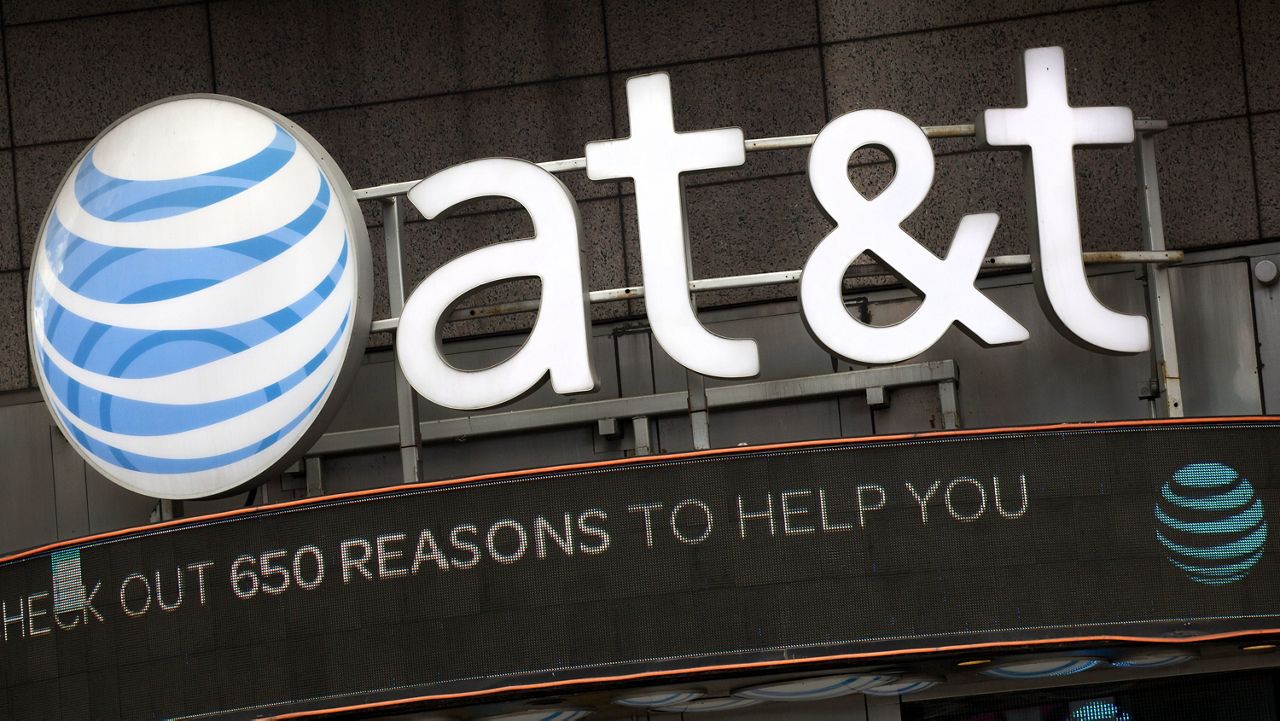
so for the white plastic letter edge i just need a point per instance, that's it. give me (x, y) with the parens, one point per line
(559, 343)
(1051, 128)
(874, 225)
(654, 156)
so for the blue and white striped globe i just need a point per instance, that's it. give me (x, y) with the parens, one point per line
(1212, 523)
(195, 295)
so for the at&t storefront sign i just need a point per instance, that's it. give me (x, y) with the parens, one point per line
(201, 281)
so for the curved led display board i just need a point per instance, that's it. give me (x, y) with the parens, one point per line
(854, 550)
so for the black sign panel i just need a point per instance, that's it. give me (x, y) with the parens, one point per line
(680, 562)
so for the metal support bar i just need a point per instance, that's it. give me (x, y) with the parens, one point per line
(406, 399)
(365, 439)
(660, 404)
(949, 402)
(608, 428)
(1164, 347)
(391, 192)
(1095, 257)
(168, 509)
(644, 407)
(700, 427)
(640, 428)
(570, 164)
(877, 398)
(783, 142)
(699, 422)
(832, 384)
(409, 433)
(883, 708)
(781, 277)
(315, 483)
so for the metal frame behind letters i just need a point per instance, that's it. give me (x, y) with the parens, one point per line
(410, 433)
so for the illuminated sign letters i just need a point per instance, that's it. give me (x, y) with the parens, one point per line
(874, 225)
(559, 343)
(1051, 129)
(655, 155)
(201, 281)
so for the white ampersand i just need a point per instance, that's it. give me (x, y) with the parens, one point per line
(874, 226)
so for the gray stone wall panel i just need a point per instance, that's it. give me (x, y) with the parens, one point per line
(765, 95)
(1178, 61)
(10, 245)
(33, 11)
(71, 79)
(984, 181)
(853, 19)
(773, 224)
(6, 135)
(1260, 24)
(304, 55)
(13, 332)
(38, 169)
(645, 33)
(752, 226)
(1206, 184)
(1266, 146)
(412, 139)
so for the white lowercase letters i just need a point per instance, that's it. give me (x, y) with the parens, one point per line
(654, 157)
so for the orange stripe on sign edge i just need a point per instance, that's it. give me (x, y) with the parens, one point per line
(769, 664)
(961, 433)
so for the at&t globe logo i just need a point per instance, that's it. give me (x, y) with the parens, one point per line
(197, 294)
(1211, 523)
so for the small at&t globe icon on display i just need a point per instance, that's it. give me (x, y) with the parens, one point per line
(198, 294)
(1212, 523)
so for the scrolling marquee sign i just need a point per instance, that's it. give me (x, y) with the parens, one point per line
(796, 553)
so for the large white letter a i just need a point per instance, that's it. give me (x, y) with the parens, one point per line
(559, 343)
